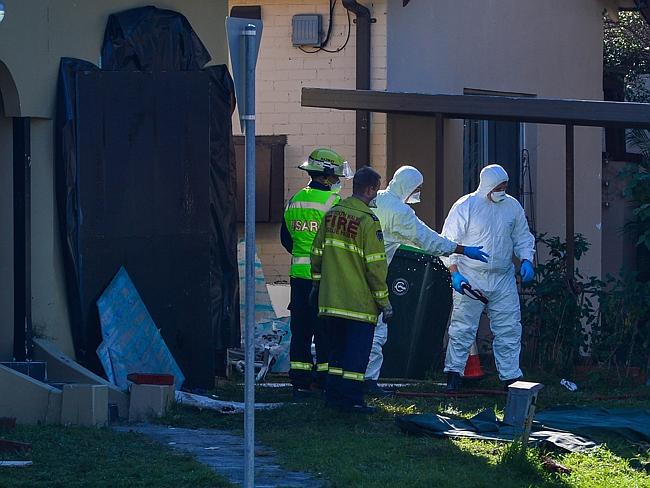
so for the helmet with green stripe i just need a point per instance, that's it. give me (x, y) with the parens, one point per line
(328, 162)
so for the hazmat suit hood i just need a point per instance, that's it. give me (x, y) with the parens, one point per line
(405, 180)
(491, 176)
(400, 224)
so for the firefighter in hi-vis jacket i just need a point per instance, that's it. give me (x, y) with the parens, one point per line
(349, 268)
(302, 219)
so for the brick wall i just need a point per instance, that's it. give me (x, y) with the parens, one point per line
(282, 71)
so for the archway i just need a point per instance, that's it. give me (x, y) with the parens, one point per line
(9, 93)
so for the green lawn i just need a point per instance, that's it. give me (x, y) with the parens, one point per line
(348, 450)
(84, 457)
(345, 450)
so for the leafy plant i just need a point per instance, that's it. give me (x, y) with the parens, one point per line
(620, 338)
(637, 189)
(555, 311)
(626, 52)
(606, 322)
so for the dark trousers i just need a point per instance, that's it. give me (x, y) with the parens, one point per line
(306, 325)
(350, 343)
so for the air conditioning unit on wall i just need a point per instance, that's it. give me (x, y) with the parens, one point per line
(306, 30)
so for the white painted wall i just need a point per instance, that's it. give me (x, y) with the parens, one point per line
(550, 49)
(50, 317)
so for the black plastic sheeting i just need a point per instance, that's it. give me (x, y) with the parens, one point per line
(151, 39)
(561, 427)
(631, 423)
(146, 178)
(485, 426)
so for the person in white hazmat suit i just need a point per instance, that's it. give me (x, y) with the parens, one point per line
(496, 220)
(400, 225)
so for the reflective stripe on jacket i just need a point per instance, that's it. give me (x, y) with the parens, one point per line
(349, 261)
(303, 215)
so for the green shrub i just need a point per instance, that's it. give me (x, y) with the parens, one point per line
(554, 312)
(602, 322)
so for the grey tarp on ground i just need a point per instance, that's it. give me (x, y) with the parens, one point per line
(485, 426)
(631, 423)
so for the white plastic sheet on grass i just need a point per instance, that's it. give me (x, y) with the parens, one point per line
(203, 402)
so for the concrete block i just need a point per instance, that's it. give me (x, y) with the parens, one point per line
(149, 401)
(275, 75)
(302, 74)
(275, 118)
(85, 405)
(269, 94)
(62, 369)
(330, 140)
(27, 399)
(521, 395)
(314, 129)
(323, 62)
(277, 31)
(285, 128)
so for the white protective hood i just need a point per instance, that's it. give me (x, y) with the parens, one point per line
(398, 221)
(405, 180)
(491, 177)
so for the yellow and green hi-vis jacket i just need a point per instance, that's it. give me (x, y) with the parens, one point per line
(303, 217)
(349, 260)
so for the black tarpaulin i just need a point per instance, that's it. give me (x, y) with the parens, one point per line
(485, 426)
(151, 39)
(224, 271)
(631, 423)
(561, 426)
(67, 191)
(146, 179)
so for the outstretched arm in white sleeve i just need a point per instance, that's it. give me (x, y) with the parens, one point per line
(410, 228)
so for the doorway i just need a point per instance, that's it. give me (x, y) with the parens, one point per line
(487, 142)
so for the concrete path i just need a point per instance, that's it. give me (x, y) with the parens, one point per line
(224, 452)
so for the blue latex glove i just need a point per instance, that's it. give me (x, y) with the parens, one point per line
(474, 252)
(457, 280)
(527, 272)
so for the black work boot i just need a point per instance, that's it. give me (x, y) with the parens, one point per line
(373, 389)
(454, 381)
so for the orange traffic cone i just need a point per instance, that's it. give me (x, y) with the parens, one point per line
(473, 369)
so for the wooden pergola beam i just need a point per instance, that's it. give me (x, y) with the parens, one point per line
(532, 110)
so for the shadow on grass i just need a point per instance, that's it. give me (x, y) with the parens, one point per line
(71, 457)
(349, 450)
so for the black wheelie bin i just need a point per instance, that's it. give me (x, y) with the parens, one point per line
(420, 292)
